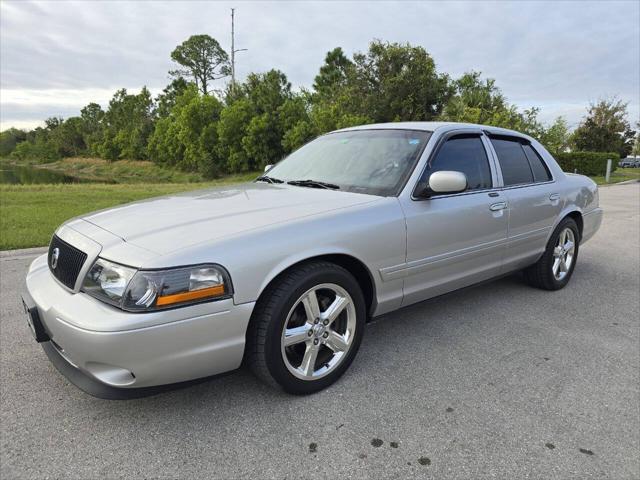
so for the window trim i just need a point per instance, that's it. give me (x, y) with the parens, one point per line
(544, 164)
(495, 179)
(522, 141)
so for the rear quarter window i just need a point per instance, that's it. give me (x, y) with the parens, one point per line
(540, 171)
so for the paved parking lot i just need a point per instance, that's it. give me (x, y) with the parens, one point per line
(497, 381)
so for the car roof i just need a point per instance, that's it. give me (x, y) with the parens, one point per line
(433, 126)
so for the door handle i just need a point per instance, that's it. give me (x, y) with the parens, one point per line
(554, 196)
(498, 206)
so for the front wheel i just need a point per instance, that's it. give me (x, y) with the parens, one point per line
(307, 328)
(554, 269)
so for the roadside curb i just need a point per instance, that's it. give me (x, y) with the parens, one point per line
(626, 182)
(21, 253)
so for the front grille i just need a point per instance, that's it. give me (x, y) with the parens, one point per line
(69, 262)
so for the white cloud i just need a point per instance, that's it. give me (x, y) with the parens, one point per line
(28, 108)
(57, 97)
(58, 56)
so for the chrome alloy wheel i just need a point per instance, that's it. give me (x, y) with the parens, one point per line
(563, 254)
(318, 332)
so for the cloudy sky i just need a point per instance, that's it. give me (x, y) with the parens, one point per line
(57, 56)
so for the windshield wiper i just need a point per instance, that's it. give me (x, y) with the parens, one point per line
(268, 179)
(314, 183)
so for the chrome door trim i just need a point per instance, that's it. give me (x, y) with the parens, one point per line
(525, 185)
(447, 195)
(531, 234)
(415, 267)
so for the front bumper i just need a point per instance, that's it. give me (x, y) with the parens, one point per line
(132, 350)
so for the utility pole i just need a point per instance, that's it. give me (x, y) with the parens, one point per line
(233, 52)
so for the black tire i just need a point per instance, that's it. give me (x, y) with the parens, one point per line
(540, 274)
(264, 336)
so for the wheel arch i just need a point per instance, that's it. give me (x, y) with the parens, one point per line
(577, 217)
(572, 212)
(353, 265)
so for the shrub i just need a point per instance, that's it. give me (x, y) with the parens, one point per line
(9, 139)
(42, 152)
(587, 163)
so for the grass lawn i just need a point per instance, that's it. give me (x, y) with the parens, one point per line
(121, 171)
(29, 214)
(620, 175)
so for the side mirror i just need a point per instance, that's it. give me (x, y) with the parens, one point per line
(267, 168)
(444, 181)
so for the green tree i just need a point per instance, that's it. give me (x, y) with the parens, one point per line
(187, 136)
(92, 127)
(128, 122)
(252, 127)
(556, 137)
(605, 129)
(395, 82)
(389, 82)
(233, 125)
(334, 74)
(58, 139)
(167, 99)
(66, 137)
(201, 58)
(198, 133)
(37, 145)
(9, 139)
(480, 101)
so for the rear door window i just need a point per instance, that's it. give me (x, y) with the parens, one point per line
(513, 162)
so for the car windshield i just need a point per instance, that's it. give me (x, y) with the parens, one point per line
(375, 162)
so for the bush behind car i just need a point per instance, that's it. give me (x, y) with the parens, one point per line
(587, 163)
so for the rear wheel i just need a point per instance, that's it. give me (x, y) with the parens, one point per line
(554, 269)
(306, 328)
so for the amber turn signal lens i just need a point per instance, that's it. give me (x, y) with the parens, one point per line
(214, 291)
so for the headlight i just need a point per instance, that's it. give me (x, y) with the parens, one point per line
(107, 281)
(148, 290)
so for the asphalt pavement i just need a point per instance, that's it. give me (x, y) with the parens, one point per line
(497, 381)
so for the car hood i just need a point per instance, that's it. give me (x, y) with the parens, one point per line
(173, 222)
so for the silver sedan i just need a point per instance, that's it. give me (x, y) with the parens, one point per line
(283, 273)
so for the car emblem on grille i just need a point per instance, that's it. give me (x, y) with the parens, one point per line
(54, 258)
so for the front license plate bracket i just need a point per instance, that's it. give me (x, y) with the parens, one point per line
(34, 322)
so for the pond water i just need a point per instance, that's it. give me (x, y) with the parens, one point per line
(15, 174)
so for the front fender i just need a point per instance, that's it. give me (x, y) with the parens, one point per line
(299, 257)
(373, 233)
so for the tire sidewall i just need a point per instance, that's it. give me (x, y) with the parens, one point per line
(273, 352)
(566, 223)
